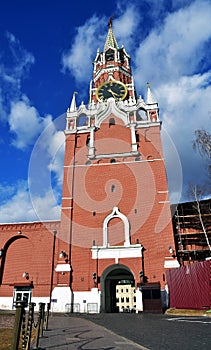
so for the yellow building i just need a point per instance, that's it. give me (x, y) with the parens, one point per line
(125, 297)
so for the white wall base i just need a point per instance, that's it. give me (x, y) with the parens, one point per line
(87, 301)
(6, 303)
(38, 300)
(59, 298)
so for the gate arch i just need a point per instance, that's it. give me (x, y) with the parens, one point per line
(109, 279)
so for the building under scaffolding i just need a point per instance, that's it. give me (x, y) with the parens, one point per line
(192, 231)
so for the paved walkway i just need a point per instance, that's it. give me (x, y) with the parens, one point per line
(71, 333)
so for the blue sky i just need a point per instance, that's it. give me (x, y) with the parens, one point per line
(46, 53)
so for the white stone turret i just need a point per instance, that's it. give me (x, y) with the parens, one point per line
(150, 98)
(73, 103)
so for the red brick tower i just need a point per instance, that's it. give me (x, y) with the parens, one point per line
(116, 222)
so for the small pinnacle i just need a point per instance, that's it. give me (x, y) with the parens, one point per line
(110, 21)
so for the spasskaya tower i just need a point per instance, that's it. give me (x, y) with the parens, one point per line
(116, 225)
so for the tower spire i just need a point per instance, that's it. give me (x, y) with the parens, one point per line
(73, 103)
(110, 40)
(150, 98)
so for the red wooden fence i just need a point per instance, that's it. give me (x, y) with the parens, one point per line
(190, 286)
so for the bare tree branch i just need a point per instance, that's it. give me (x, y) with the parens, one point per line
(202, 142)
(196, 194)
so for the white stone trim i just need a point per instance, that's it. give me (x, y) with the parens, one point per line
(170, 263)
(63, 268)
(117, 163)
(111, 108)
(116, 214)
(116, 155)
(133, 138)
(117, 252)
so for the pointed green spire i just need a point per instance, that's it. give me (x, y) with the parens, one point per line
(110, 40)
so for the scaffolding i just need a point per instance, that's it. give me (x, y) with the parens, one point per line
(192, 231)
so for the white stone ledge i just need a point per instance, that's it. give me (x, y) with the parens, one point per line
(63, 268)
(117, 252)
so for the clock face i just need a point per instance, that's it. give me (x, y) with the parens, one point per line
(113, 89)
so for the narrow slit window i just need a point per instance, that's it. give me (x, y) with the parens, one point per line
(111, 122)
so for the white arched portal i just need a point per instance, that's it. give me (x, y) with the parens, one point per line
(116, 214)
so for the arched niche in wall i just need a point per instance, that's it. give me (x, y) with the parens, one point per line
(116, 214)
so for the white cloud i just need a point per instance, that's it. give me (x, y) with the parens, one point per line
(77, 59)
(126, 25)
(39, 199)
(21, 61)
(25, 125)
(15, 63)
(19, 207)
(25, 122)
(45, 171)
(56, 152)
(170, 58)
(174, 48)
(186, 106)
(6, 190)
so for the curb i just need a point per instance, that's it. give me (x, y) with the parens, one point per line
(188, 312)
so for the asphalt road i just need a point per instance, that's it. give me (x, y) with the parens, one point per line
(157, 332)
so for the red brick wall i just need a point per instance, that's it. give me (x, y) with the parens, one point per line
(140, 194)
(29, 251)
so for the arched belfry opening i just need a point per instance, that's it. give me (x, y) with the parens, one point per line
(111, 277)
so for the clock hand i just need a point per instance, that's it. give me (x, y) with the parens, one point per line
(112, 92)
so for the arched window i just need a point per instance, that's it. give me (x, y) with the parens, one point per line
(121, 56)
(113, 160)
(82, 120)
(141, 115)
(111, 122)
(88, 141)
(109, 56)
(137, 137)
